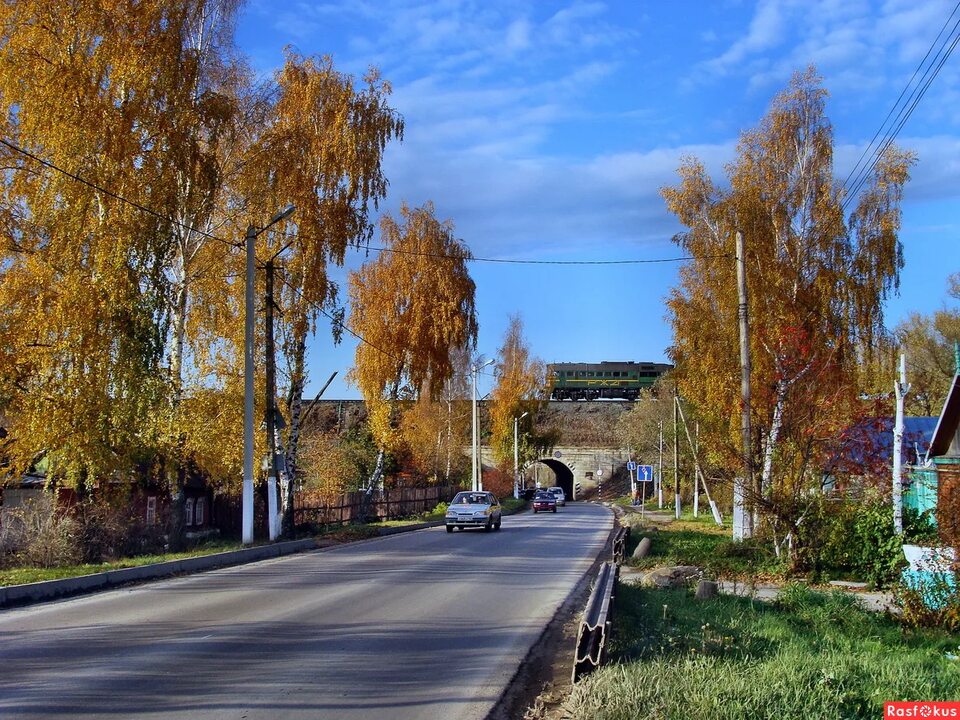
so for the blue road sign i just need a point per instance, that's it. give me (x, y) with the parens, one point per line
(631, 466)
(645, 473)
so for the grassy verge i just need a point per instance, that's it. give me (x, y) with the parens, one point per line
(337, 534)
(699, 541)
(22, 575)
(811, 655)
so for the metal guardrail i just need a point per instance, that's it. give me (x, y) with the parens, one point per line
(620, 544)
(595, 625)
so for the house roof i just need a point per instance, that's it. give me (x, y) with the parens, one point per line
(947, 425)
(871, 441)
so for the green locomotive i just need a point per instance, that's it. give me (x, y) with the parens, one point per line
(604, 380)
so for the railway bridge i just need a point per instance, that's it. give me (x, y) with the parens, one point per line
(565, 466)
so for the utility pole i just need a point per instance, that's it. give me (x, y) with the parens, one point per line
(248, 341)
(696, 475)
(900, 388)
(476, 472)
(660, 465)
(474, 484)
(516, 454)
(247, 498)
(742, 520)
(676, 455)
(270, 407)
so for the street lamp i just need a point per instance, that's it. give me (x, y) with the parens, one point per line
(477, 483)
(516, 456)
(248, 335)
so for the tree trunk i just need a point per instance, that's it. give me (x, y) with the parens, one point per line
(172, 464)
(773, 437)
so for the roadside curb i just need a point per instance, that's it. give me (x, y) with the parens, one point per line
(49, 589)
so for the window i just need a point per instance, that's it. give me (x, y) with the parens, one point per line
(198, 512)
(152, 510)
(188, 512)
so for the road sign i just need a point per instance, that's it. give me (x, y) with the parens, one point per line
(600, 472)
(631, 466)
(645, 473)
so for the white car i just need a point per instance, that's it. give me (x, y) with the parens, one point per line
(474, 509)
(558, 493)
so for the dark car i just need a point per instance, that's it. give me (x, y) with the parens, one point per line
(544, 501)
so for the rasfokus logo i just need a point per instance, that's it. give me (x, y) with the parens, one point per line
(922, 710)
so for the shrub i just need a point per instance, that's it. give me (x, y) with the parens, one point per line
(856, 538)
(498, 482)
(936, 604)
(40, 535)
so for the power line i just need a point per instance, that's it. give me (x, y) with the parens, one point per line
(905, 111)
(166, 218)
(897, 102)
(114, 195)
(346, 327)
(544, 262)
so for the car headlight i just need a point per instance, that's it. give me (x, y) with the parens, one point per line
(451, 514)
(481, 513)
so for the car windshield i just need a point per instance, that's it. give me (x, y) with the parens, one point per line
(471, 499)
(543, 496)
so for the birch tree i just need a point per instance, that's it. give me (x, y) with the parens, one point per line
(83, 286)
(520, 387)
(322, 151)
(817, 280)
(414, 307)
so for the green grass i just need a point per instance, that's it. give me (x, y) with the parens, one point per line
(340, 534)
(23, 575)
(812, 655)
(700, 542)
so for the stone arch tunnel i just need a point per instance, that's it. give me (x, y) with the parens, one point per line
(564, 475)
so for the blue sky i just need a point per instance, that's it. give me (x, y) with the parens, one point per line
(544, 130)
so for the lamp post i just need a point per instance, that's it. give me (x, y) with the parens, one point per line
(248, 336)
(516, 456)
(477, 479)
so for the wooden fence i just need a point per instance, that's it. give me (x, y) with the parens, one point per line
(310, 509)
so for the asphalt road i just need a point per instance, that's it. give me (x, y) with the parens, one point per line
(417, 625)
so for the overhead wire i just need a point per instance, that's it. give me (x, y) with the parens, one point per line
(904, 113)
(110, 193)
(150, 211)
(345, 326)
(899, 98)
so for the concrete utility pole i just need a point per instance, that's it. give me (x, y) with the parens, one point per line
(477, 474)
(900, 389)
(742, 519)
(248, 340)
(516, 455)
(270, 409)
(660, 464)
(247, 498)
(696, 475)
(676, 455)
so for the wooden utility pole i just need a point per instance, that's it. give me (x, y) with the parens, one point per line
(743, 521)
